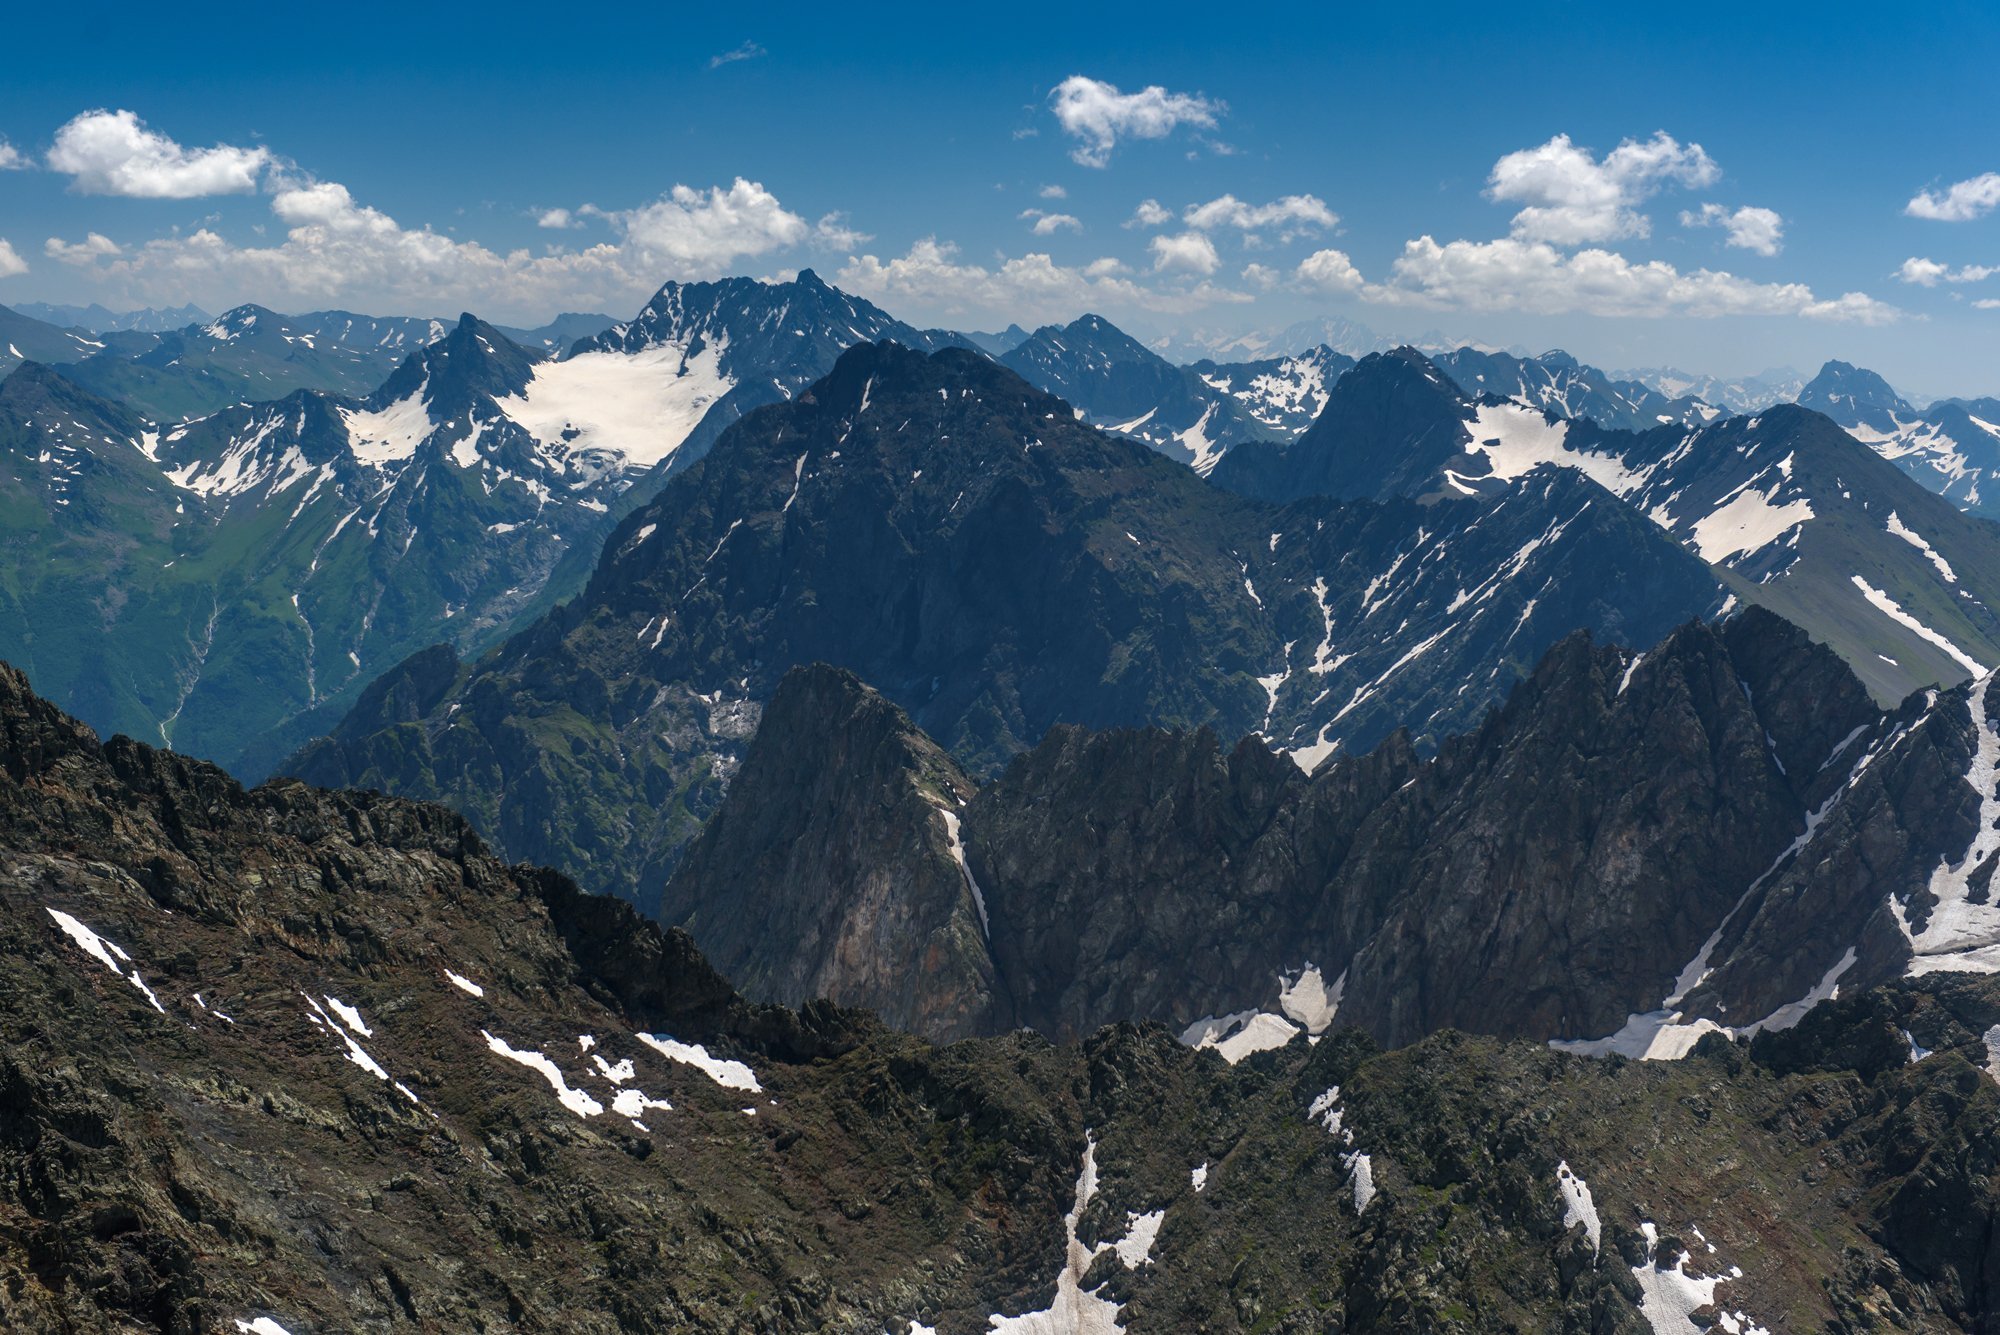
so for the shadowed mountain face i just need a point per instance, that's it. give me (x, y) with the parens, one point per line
(292, 1060)
(994, 567)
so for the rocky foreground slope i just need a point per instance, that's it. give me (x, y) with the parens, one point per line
(287, 1060)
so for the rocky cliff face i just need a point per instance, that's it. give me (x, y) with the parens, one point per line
(842, 841)
(308, 1062)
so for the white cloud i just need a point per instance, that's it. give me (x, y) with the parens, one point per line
(1190, 252)
(1054, 192)
(81, 254)
(1983, 304)
(1571, 198)
(337, 249)
(1048, 224)
(1753, 229)
(1098, 114)
(1229, 211)
(556, 219)
(1260, 276)
(1150, 213)
(1534, 276)
(1029, 288)
(831, 232)
(113, 153)
(1968, 199)
(11, 262)
(1929, 273)
(695, 231)
(1329, 271)
(747, 51)
(13, 159)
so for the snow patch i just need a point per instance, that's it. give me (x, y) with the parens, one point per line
(728, 1074)
(1890, 608)
(1578, 1207)
(641, 406)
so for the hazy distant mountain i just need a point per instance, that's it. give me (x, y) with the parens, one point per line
(1559, 383)
(228, 584)
(1000, 344)
(561, 333)
(1745, 394)
(23, 338)
(101, 321)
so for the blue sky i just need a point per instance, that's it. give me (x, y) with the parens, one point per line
(392, 160)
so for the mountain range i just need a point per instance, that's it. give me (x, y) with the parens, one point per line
(1787, 509)
(229, 584)
(995, 566)
(98, 320)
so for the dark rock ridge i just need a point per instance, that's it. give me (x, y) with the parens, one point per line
(993, 566)
(319, 1062)
(1545, 876)
(1719, 833)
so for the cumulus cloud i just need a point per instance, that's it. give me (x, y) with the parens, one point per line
(1100, 115)
(1329, 271)
(1295, 211)
(1929, 273)
(556, 219)
(747, 51)
(1571, 198)
(1962, 202)
(1534, 276)
(1753, 229)
(1048, 224)
(831, 232)
(114, 153)
(1261, 276)
(1054, 192)
(1189, 252)
(81, 254)
(1987, 304)
(13, 159)
(1029, 288)
(11, 262)
(690, 230)
(1150, 213)
(335, 248)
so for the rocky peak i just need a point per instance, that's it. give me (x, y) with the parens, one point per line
(840, 839)
(1389, 425)
(469, 367)
(1851, 395)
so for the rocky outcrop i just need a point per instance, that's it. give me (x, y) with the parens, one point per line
(840, 840)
